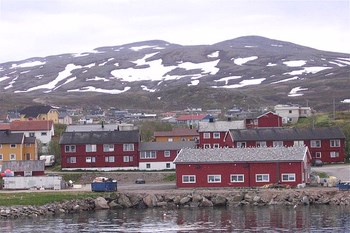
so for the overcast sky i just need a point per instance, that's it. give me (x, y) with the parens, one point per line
(38, 28)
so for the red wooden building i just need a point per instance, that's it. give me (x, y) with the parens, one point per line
(102, 150)
(268, 119)
(326, 144)
(160, 155)
(242, 167)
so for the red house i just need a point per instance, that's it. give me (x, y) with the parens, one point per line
(326, 144)
(268, 119)
(242, 167)
(213, 134)
(100, 150)
(160, 155)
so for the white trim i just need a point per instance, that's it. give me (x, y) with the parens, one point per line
(238, 181)
(262, 176)
(101, 168)
(189, 182)
(215, 176)
(156, 165)
(288, 174)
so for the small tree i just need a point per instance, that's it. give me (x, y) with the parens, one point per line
(54, 149)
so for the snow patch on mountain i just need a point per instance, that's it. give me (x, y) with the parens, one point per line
(227, 79)
(240, 61)
(4, 78)
(100, 90)
(293, 92)
(286, 80)
(138, 48)
(214, 54)
(271, 64)
(11, 83)
(312, 70)
(28, 64)
(147, 89)
(295, 63)
(193, 83)
(243, 83)
(98, 79)
(346, 101)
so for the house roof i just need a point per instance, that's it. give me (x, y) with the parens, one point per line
(4, 126)
(100, 137)
(220, 126)
(176, 132)
(29, 140)
(166, 145)
(31, 125)
(191, 117)
(34, 111)
(27, 165)
(98, 127)
(287, 134)
(7, 137)
(231, 155)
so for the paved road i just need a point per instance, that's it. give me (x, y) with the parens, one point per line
(341, 171)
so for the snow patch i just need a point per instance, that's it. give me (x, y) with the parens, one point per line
(312, 70)
(240, 61)
(342, 61)
(286, 80)
(293, 92)
(147, 89)
(98, 79)
(271, 64)
(214, 54)
(296, 63)
(28, 64)
(11, 83)
(4, 78)
(226, 79)
(250, 46)
(276, 45)
(94, 89)
(138, 48)
(243, 83)
(90, 65)
(346, 101)
(193, 83)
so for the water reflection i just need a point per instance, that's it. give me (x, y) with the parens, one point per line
(230, 219)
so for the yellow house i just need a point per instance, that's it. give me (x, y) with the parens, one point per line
(40, 112)
(17, 147)
(176, 135)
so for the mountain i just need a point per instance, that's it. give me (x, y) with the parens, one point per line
(248, 71)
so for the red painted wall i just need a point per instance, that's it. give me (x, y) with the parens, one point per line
(249, 170)
(211, 141)
(270, 120)
(161, 157)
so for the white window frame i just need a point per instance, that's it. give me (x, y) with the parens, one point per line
(206, 135)
(108, 147)
(90, 148)
(148, 154)
(128, 147)
(13, 157)
(318, 154)
(334, 154)
(167, 153)
(237, 178)
(216, 135)
(188, 179)
(71, 148)
(335, 143)
(291, 177)
(128, 158)
(1, 157)
(43, 133)
(148, 166)
(260, 144)
(109, 159)
(170, 139)
(13, 145)
(315, 143)
(264, 178)
(216, 145)
(71, 159)
(31, 134)
(214, 178)
(206, 146)
(277, 143)
(167, 165)
(299, 143)
(241, 144)
(90, 159)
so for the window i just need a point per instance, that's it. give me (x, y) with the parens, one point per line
(128, 159)
(13, 145)
(241, 144)
(70, 148)
(148, 155)
(206, 146)
(277, 143)
(1, 157)
(90, 159)
(108, 147)
(334, 154)
(188, 179)
(288, 177)
(90, 148)
(335, 143)
(262, 177)
(27, 156)
(148, 165)
(167, 165)
(260, 144)
(43, 133)
(214, 178)
(318, 155)
(31, 134)
(216, 145)
(315, 143)
(109, 159)
(71, 160)
(12, 156)
(128, 147)
(28, 145)
(290, 111)
(237, 178)
(206, 135)
(170, 139)
(216, 135)
(167, 153)
(298, 143)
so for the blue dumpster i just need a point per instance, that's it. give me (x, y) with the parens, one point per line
(344, 185)
(107, 186)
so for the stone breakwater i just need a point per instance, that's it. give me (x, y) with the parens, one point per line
(183, 199)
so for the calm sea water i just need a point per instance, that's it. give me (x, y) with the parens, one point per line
(228, 219)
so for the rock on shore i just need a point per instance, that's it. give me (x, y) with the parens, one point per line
(188, 198)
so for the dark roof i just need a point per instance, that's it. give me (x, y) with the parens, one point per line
(7, 137)
(287, 134)
(176, 132)
(34, 111)
(29, 140)
(166, 145)
(101, 137)
(27, 165)
(231, 155)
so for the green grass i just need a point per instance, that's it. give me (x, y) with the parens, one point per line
(36, 198)
(169, 178)
(323, 175)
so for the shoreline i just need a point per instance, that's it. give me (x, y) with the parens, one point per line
(184, 198)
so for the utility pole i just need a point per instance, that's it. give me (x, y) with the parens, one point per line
(333, 109)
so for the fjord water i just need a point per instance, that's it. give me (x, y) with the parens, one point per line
(227, 219)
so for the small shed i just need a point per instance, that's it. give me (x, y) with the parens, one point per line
(25, 167)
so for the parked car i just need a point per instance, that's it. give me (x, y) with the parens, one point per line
(318, 163)
(140, 181)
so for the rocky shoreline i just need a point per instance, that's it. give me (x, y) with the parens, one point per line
(184, 199)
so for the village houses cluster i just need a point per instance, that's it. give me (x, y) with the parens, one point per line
(244, 150)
